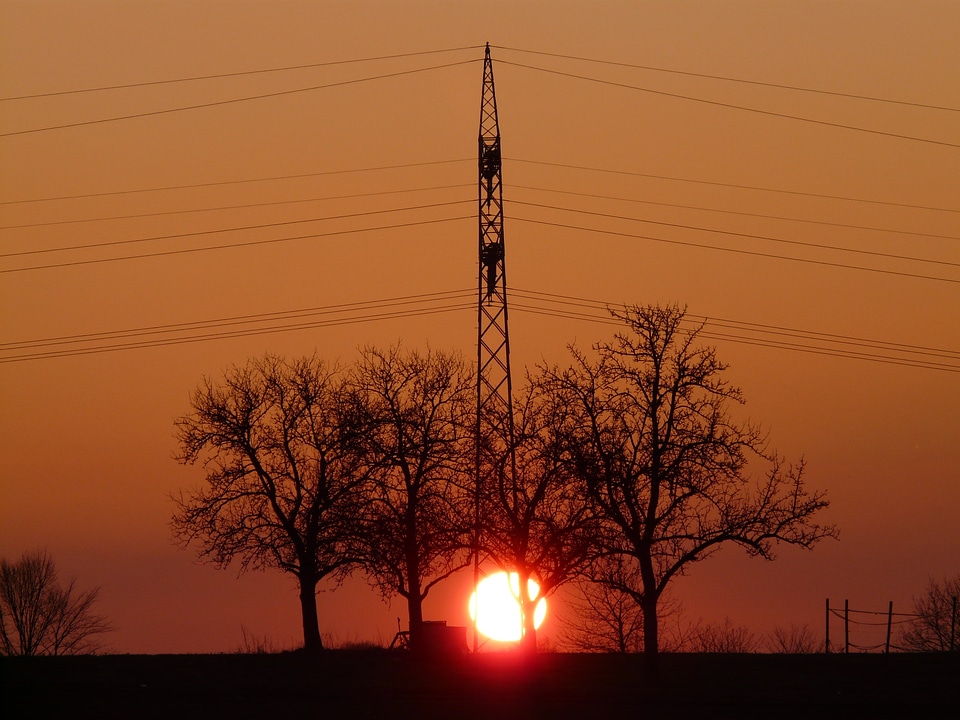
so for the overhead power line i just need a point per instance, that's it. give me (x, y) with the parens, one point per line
(216, 183)
(763, 335)
(726, 78)
(250, 243)
(236, 326)
(230, 101)
(525, 301)
(397, 56)
(239, 73)
(232, 320)
(739, 251)
(612, 171)
(734, 185)
(739, 213)
(767, 238)
(515, 186)
(817, 246)
(217, 231)
(243, 206)
(732, 106)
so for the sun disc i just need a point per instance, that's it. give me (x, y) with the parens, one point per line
(495, 606)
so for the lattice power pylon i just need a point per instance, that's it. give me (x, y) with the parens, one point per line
(495, 431)
(494, 386)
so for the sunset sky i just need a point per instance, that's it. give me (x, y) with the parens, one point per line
(782, 166)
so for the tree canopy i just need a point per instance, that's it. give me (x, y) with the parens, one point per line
(282, 474)
(416, 414)
(667, 469)
(534, 518)
(936, 623)
(625, 467)
(41, 616)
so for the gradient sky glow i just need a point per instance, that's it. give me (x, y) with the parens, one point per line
(86, 441)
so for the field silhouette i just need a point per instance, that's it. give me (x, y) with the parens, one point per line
(494, 686)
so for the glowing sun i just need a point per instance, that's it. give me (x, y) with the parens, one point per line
(498, 598)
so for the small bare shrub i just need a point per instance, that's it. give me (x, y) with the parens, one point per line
(724, 637)
(795, 640)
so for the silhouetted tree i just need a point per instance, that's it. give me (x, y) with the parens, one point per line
(282, 486)
(417, 440)
(724, 637)
(937, 625)
(794, 640)
(604, 618)
(535, 520)
(39, 616)
(665, 466)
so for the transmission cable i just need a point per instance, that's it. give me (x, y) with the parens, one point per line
(234, 320)
(734, 185)
(849, 347)
(224, 246)
(763, 216)
(391, 315)
(725, 78)
(216, 103)
(244, 206)
(472, 159)
(799, 243)
(739, 251)
(605, 305)
(241, 228)
(718, 103)
(514, 186)
(457, 300)
(238, 182)
(758, 342)
(239, 73)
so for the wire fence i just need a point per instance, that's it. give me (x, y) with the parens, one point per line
(867, 623)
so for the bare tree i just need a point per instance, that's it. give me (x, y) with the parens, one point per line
(535, 519)
(282, 486)
(665, 465)
(417, 440)
(936, 626)
(604, 618)
(39, 616)
(724, 637)
(794, 640)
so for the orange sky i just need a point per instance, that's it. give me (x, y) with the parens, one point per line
(86, 441)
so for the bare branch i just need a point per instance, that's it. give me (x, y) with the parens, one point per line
(38, 616)
(283, 486)
(649, 433)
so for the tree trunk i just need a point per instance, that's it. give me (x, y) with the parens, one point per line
(651, 636)
(415, 618)
(312, 643)
(528, 643)
(651, 639)
(528, 640)
(411, 551)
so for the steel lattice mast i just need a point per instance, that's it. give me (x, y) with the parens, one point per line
(493, 341)
(494, 386)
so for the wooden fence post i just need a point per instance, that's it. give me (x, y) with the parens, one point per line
(889, 624)
(826, 633)
(846, 626)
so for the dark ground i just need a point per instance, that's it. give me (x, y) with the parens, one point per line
(383, 684)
